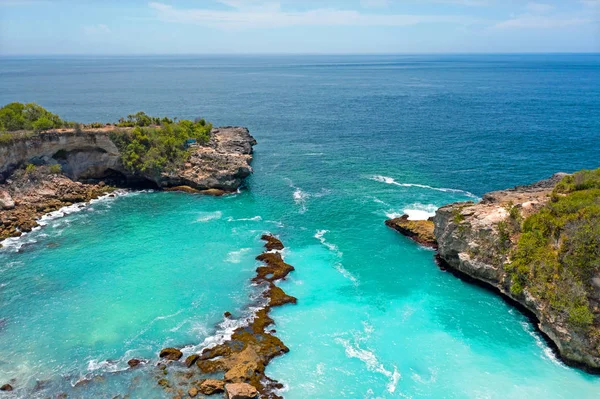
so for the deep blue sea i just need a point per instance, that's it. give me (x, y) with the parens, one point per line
(344, 142)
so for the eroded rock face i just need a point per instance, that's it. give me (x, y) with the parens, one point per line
(170, 354)
(222, 164)
(470, 242)
(218, 167)
(420, 231)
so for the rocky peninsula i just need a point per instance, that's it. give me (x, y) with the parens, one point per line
(42, 172)
(539, 247)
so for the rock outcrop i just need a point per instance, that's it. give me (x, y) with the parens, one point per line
(472, 241)
(65, 157)
(475, 241)
(420, 231)
(221, 165)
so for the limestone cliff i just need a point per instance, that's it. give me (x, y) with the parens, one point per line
(223, 163)
(473, 238)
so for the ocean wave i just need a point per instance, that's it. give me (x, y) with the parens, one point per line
(300, 198)
(14, 244)
(416, 211)
(253, 219)
(208, 216)
(390, 180)
(236, 256)
(548, 353)
(369, 358)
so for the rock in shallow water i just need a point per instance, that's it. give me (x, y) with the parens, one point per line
(210, 387)
(240, 391)
(171, 354)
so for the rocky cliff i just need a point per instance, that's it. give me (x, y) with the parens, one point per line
(223, 163)
(90, 156)
(482, 240)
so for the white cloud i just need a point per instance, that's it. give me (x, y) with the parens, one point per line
(271, 15)
(541, 22)
(96, 29)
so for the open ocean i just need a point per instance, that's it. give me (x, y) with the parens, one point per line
(345, 142)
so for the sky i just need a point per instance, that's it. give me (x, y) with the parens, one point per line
(119, 27)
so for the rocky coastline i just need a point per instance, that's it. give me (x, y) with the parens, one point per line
(475, 242)
(65, 167)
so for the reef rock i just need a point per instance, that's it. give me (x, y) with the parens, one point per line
(420, 231)
(240, 391)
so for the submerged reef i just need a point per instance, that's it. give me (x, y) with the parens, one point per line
(539, 247)
(237, 365)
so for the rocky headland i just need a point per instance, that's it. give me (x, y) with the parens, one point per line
(45, 171)
(537, 245)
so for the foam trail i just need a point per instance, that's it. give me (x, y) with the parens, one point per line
(236, 256)
(252, 219)
(16, 243)
(208, 216)
(390, 180)
(320, 235)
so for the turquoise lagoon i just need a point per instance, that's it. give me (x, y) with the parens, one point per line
(344, 143)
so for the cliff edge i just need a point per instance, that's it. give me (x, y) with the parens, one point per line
(538, 245)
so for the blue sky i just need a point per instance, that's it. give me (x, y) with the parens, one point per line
(297, 26)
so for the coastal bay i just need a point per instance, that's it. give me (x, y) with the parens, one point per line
(130, 275)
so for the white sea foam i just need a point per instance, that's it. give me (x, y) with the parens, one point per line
(546, 350)
(390, 180)
(252, 219)
(300, 198)
(320, 235)
(236, 256)
(208, 216)
(14, 244)
(420, 211)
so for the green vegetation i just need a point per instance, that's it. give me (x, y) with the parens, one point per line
(30, 168)
(55, 169)
(17, 116)
(558, 251)
(152, 150)
(148, 145)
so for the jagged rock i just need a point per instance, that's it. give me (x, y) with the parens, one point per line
(420, 231)
(170, 354)
(191, 360)
(210, 387)
(272, 243)
(193, 392)
(240, 391)
(133, 362)
(227, 314)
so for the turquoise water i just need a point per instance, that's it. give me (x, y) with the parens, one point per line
(344, 142)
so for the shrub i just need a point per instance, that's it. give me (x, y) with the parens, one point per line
(30, 168)
(42, 124)
(55, 169)
(559, 250)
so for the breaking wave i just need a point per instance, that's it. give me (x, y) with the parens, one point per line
(390, 180)
(320, 235)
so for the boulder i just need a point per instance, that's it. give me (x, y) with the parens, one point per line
(133, 362)
(6, 387)
(240, 390)
(170, 354)
(210, 387)
(191, 359)
(193, 392)
(6, 201)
